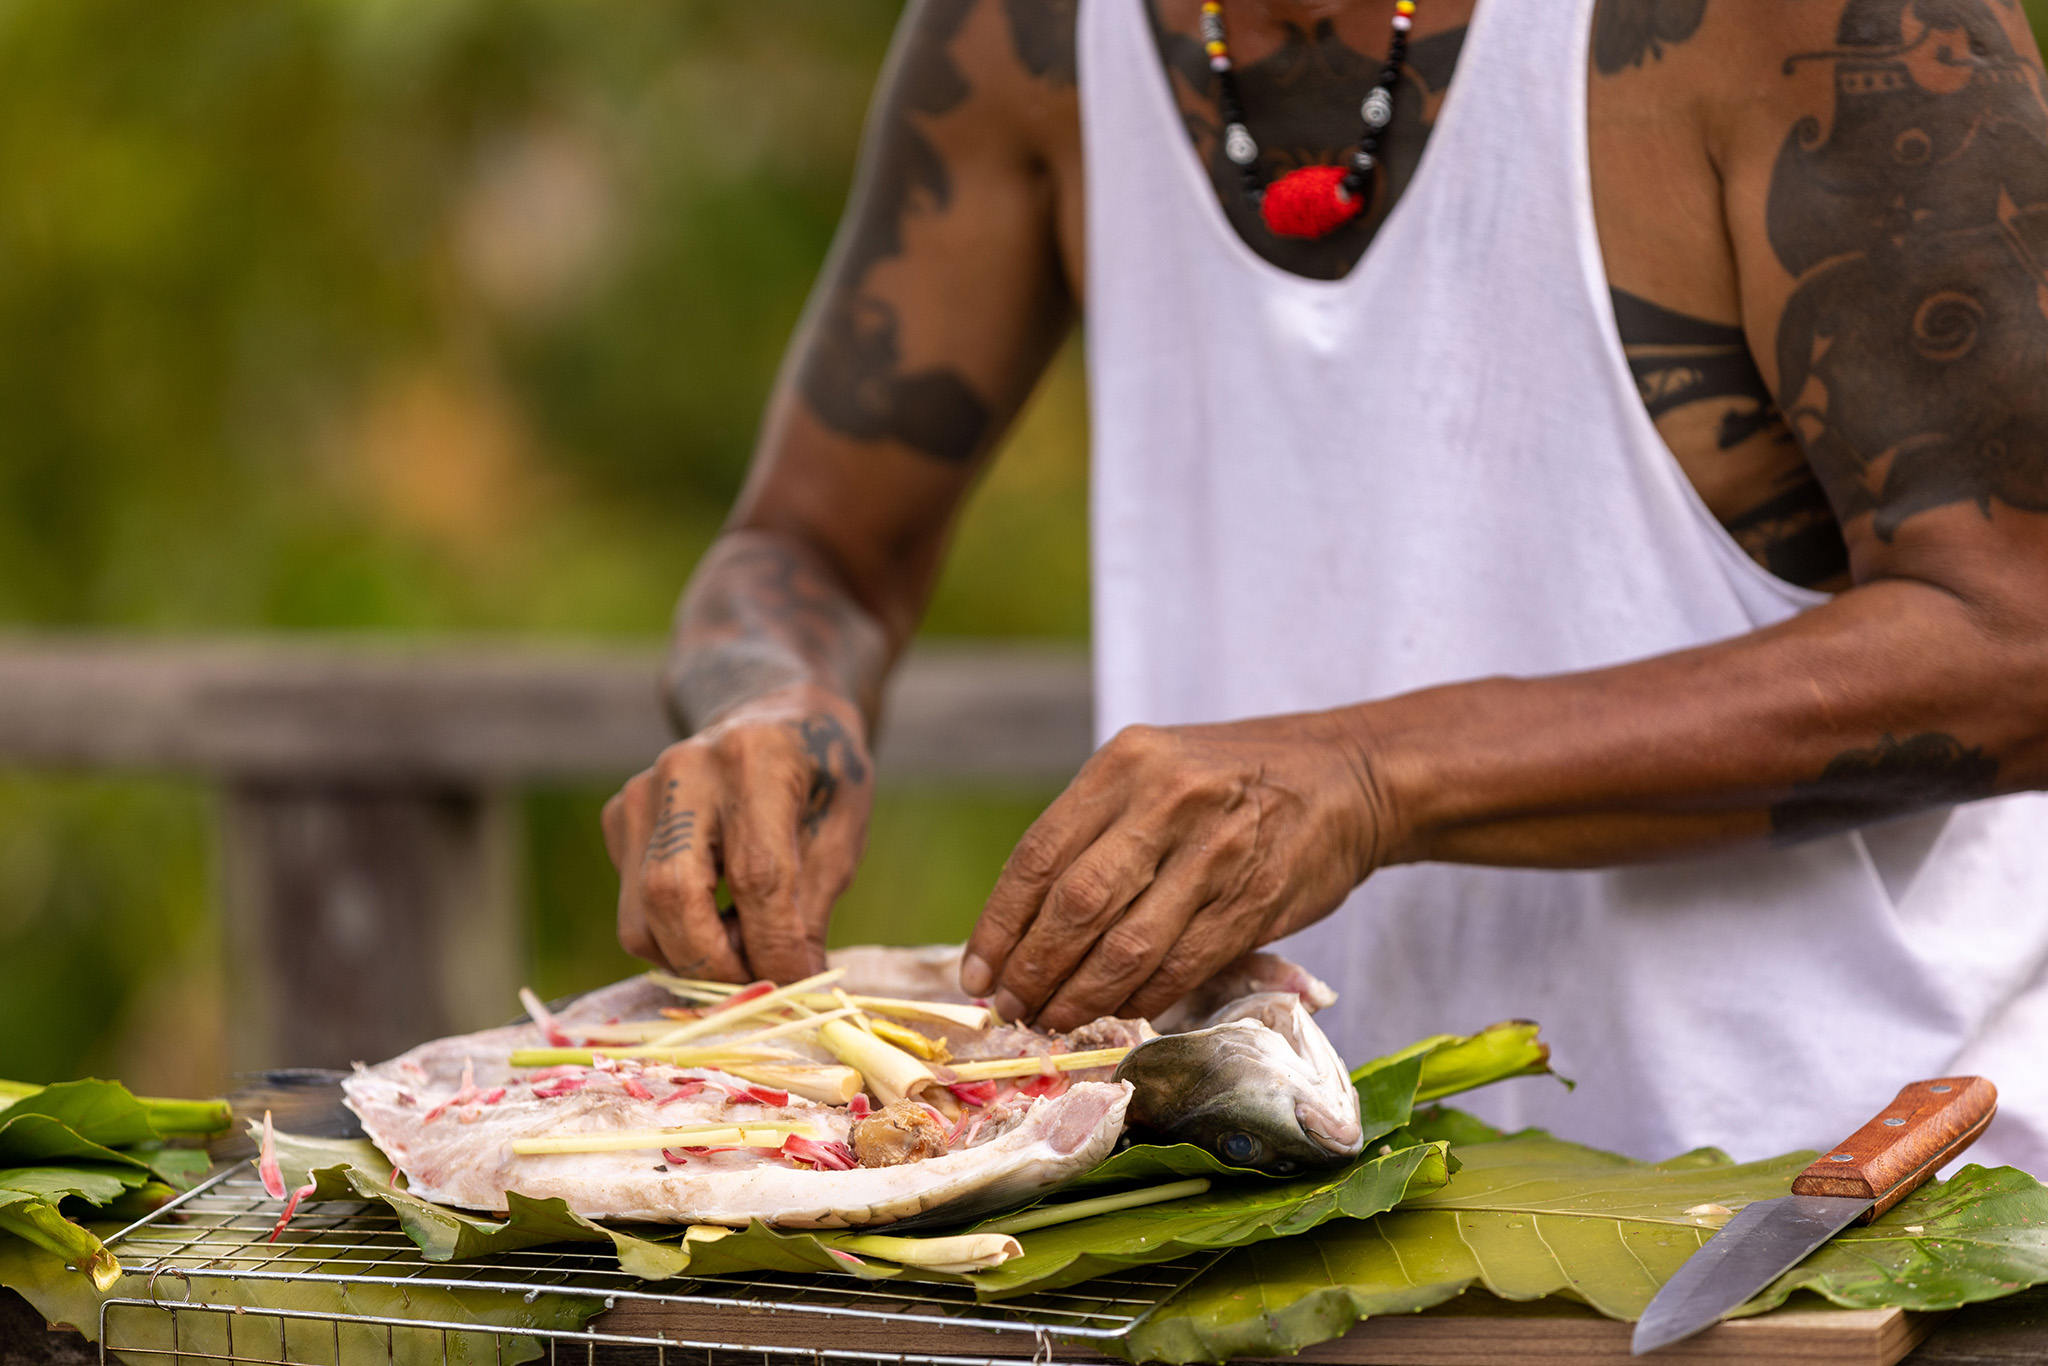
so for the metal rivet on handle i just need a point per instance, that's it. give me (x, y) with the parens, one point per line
(1941, 1086)
(1893, 1123)
(1840, 1157)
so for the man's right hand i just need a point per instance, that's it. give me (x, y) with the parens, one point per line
(774, 797)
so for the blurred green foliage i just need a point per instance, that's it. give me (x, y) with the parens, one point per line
(416, 315)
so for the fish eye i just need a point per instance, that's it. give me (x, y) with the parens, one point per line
(1239, 1148)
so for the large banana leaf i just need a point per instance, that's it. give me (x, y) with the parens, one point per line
(1533, 1216)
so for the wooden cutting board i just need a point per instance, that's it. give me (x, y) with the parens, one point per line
(1473, 1330)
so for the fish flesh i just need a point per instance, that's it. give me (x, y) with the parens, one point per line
(466, 1126)
(1258, 1085)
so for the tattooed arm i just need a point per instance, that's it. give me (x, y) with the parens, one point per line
(947, 290)
(1870, 180)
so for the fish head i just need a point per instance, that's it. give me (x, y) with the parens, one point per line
(1241, 1091)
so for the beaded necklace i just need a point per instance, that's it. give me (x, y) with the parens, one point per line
(1309, 201)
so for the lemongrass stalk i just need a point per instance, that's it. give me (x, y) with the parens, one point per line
(674, 1057)
(726, 1016)
(946, 1012)
(846, 1003)
(826, 1083)
(890, 1073)
(909, 1040)
(766, 1134)
(997, 1069)
(797, 1026)
(1046, 1216)
(963, 1252)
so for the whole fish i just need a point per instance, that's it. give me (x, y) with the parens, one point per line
(1259, 1085)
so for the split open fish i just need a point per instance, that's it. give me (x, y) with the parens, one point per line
(448, 1113)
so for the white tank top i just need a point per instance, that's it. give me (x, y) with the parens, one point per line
(1310, 493)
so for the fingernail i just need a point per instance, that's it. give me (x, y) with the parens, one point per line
(1009, 1007)
(976, 977)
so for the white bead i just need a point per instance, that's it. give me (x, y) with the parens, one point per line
(1402, 23)
(1238, 145)
(1378, 109)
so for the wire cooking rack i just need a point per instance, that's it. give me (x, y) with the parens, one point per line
(216, 1290)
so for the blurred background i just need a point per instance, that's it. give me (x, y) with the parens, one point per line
(428, 317)
(435, 319)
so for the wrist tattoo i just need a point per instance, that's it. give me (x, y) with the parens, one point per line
(763, 614)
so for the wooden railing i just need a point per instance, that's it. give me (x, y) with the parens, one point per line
(369, 841)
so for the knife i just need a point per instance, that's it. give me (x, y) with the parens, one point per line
(1873, 1169)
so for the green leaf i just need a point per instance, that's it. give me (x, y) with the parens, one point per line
(1531, 1216)
(1225, 1217)
(64, 1297)
(101, 1112)
(1525, 1217)
(1978, 1236)
(95, 1183)
(37, 1221)
(35, 1140)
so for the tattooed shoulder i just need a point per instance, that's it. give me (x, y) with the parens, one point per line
(1628, 33)
(1043, 31)
(1912, 216)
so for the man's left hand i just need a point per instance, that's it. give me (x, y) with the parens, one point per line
(1175, 850)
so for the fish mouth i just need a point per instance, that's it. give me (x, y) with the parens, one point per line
(1339, 1134)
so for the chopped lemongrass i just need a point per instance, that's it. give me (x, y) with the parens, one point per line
(947, 1012)
(962, 1252)
(995, 1069)
(766, 1134)
(846, 1003)
(797, 1026)
(723, 1017)
(826, 1083)
(909, 1040)
(1045, 1216)
(890, 1073)
(674, 1057)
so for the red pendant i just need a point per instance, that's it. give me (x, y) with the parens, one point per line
(1310, 202)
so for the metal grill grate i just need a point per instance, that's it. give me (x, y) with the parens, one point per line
(212, 1285)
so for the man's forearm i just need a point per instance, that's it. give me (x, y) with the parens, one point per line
(1895, 697)
(762, 613)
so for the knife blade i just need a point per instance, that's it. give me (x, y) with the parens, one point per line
(1866, 1174)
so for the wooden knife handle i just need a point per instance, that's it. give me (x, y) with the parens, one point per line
(1887, 1159)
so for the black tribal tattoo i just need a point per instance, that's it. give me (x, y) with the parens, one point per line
(675, 832)
(1682, 362)
(1043, 32)
(1915, 222)
(1302, 106)
(835, 759)
(1628, 33)
(852, 373)
(1893, 778)
(763, 614)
